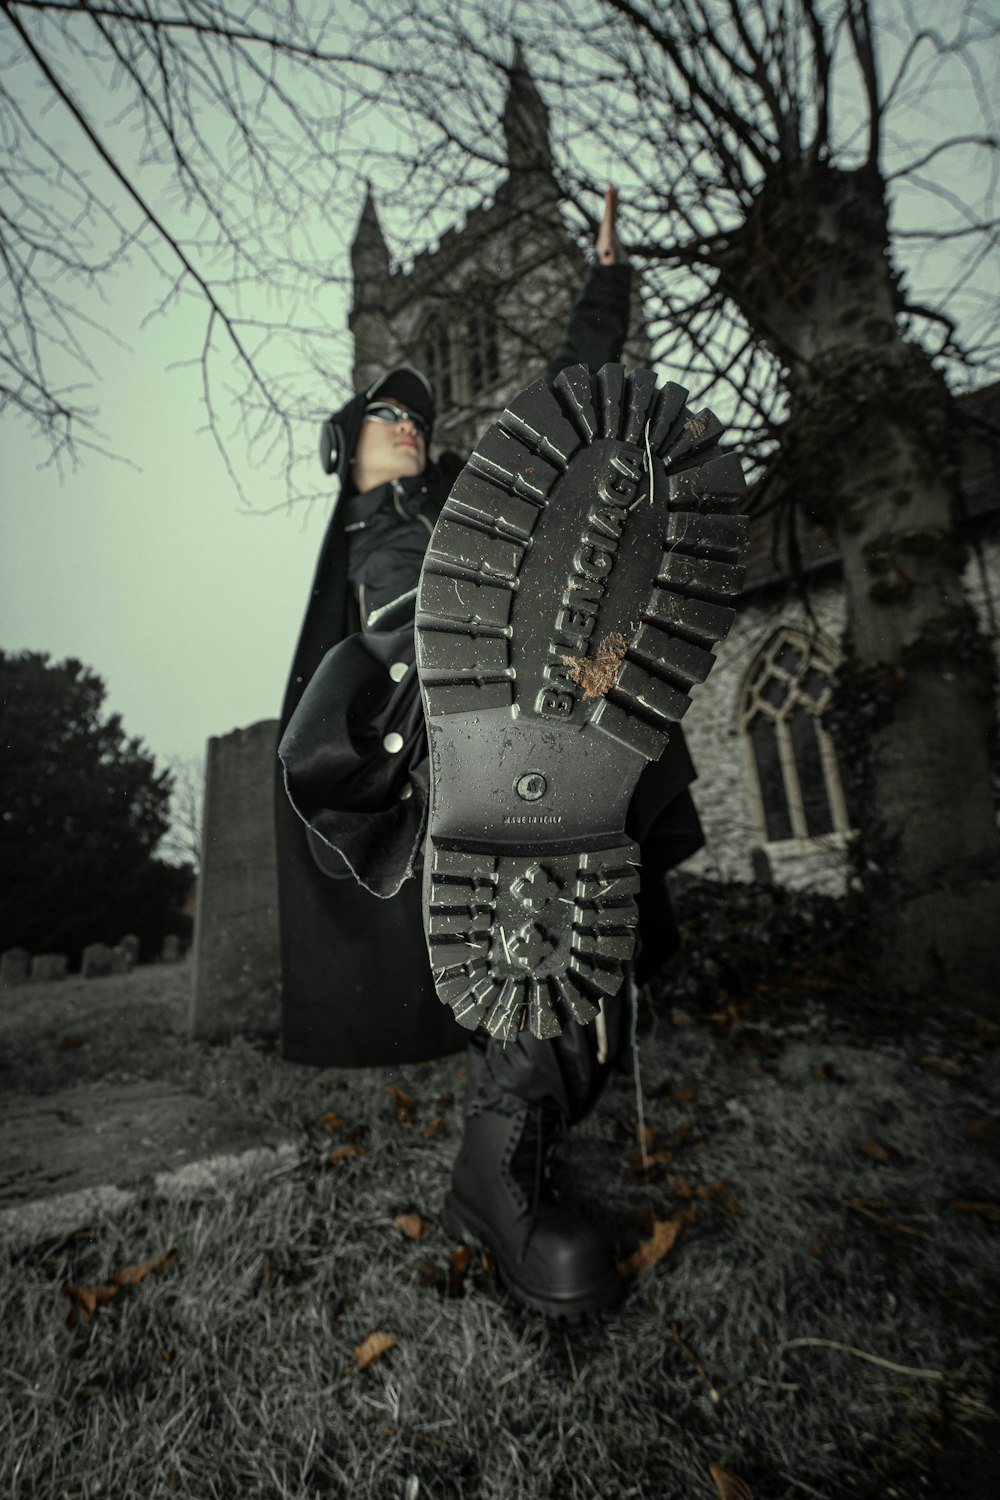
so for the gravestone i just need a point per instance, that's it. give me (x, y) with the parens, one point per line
(171, 950)
(96, 961)
(46, 966)
(13, 968)
(130, 943)
(237, 967)
(120, 960)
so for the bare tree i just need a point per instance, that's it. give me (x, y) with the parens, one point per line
(205, 141)
(777, 158)
(181, 844)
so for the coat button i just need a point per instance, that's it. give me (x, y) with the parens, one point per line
(398, 671)
(393, 742)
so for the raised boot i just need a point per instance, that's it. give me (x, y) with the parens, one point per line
(577, 578)
(506, 1192)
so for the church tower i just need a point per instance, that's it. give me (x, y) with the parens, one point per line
(526, 124)
(483, 312)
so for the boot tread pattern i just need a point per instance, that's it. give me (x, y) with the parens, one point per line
(521, 941)
(641, 548)
(476, 556)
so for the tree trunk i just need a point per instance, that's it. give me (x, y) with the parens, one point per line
(872, 423)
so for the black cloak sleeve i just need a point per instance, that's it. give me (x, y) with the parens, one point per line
(357, 988)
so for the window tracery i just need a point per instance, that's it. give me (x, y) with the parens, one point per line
(460, 350)
(793, 763)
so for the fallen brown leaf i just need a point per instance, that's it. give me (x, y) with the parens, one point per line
(986, 1129)
(875, 1149)
(432, 1127)
(339, 1153)
(646, 1135)
(728, 1486)
(685, 1097)
(969, 1206)
(133, 1275)
(459, 1262)
(680, 1018)
(404, 1104)
(665, 1232)
(412, 1225)
(332, 1122)
(69, 1042)
(372, 1347)
(85, 1300)
(450, 1281)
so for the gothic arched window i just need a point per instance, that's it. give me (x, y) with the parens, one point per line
(792, 758)
(483, 348)
(460, 349)
(438, 362)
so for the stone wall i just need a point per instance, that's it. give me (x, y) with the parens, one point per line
(723, 792)
(736, 847)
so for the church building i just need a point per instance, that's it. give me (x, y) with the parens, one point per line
(480, 314)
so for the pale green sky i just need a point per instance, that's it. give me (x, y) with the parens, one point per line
(184, 603)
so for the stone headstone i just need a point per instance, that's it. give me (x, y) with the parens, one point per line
(14, 967)
(171, 950)
(96, 961)
(131, 945)
(237, 967)
(46, 966)
(120, 961)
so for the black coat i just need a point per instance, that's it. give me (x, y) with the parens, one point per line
(356, 982)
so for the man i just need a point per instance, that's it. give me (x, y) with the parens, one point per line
(358, 988)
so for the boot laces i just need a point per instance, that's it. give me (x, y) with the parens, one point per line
(543, 1130)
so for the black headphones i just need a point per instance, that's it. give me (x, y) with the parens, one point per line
(330, 439)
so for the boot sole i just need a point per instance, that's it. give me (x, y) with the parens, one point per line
(462, 1224)
(569, 597)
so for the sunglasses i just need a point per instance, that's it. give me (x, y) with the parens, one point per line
(384, 411)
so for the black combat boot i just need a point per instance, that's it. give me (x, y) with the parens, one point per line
(569, 599)
(505, 1191)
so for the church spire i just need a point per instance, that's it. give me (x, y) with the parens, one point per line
(525, 121)
(369, 251)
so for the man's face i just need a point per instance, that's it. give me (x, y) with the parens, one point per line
(391, 445)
